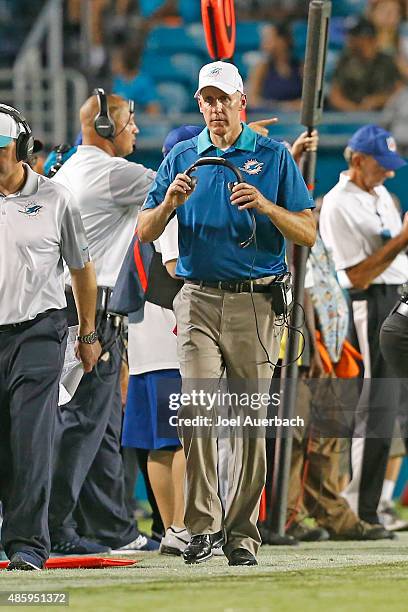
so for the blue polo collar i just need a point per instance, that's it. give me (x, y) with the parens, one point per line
(245, 142)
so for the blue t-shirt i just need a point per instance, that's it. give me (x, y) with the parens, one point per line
(210, 228)
(141, 89)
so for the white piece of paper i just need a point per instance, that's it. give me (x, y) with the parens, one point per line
(72, 370)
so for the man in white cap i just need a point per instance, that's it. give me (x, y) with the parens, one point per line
(40, 226)
(226, 309)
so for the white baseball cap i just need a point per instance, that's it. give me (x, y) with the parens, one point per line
(9, 129)
(223, 75)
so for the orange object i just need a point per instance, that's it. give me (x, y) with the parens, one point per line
(347, 367)
(82, 562)
(219, 27)
(262, 506)
(404, 496)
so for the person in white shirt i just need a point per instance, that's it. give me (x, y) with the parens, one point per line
(87, 510)
(361, 224)
(40, 227)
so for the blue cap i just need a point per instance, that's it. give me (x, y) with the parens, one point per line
(380, 144)
(4, 141)
(184, 132)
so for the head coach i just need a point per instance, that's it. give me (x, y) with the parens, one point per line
(87, 510)
(228, 279)
(40, 226)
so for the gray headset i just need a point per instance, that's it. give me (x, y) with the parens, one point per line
(104, 126)
(25, 140)
(103, 123)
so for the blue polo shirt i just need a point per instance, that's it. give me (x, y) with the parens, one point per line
(210, 227)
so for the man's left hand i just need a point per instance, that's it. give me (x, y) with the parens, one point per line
(247, 196)
(88, 354)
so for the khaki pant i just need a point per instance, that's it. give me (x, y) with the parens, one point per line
(319, 494)
(217, 333)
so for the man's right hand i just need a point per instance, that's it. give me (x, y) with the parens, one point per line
(178, 192)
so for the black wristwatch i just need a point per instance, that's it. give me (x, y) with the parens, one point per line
(88, 338)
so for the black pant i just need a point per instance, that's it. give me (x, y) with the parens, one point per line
(394, 347)
(31, 360)
(394, 344)
(88, 489)
(378, 415)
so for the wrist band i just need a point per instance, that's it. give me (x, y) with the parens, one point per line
(88, 338)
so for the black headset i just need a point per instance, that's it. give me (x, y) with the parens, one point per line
(25, 140)
(220, 161)
(104, 126)
(103, 123)
(214, 161)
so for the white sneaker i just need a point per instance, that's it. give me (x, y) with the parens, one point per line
(142, 543)
(390, 518)
(174, 542)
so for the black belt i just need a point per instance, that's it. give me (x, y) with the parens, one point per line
(239, 286)
(24, 324)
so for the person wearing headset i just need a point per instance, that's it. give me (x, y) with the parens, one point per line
(224, 312)
(40, 226)
(87, 510)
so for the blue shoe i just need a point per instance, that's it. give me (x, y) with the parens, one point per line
(19, 562)
(78, 546)
(141, 543)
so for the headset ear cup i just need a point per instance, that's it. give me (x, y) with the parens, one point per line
(24, 146)
(19, 148)
(104, 127)
(29, 146)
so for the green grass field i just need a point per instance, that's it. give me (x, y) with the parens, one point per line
(312, 577)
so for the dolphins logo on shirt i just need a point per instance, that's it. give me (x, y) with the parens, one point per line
(252, 166)
(31, 209)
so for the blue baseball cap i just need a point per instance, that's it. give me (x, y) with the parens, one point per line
(184, 132)
(378, 143)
